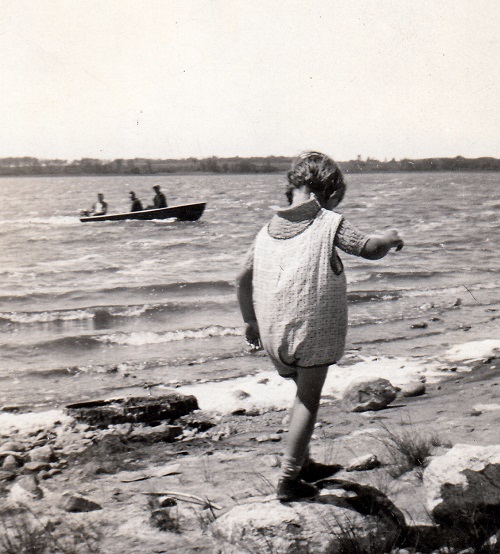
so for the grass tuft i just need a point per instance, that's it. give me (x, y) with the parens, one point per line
(22, 532)
(164, 515)
(408, 449)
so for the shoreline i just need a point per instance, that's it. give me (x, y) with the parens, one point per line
(236, 460)
(252, 384)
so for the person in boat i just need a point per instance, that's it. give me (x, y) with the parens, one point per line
(98, 208)
(136, 203)
(159, 201)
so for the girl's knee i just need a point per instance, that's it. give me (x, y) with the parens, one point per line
(310, 383)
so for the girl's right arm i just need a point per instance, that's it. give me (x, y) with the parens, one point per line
(244, 293)
(377, 246)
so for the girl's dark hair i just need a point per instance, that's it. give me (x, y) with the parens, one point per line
(320, 173)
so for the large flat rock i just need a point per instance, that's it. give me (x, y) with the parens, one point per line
(344, 515)
(137, 409)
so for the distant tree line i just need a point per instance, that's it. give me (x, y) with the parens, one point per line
(269, 164)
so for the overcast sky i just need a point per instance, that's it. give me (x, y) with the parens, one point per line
(172, 79)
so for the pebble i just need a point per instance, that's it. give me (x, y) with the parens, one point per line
(10, 463)
(413, 389)
(12, 446)
(36, 466)
(76, 503)
(42, 454)
(363, 463)
(268, 438)
(271, 460)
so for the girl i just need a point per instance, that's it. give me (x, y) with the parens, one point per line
(292, 295)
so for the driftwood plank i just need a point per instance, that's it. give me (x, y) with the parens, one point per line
(139, 409)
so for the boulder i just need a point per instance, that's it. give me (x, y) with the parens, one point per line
(368, 393)
(343, 513)
(463, 485)
(139, 409)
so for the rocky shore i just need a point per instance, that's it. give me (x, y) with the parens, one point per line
(157, 475)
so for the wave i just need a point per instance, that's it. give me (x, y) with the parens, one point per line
(55, 220)
(91, 342)
(145, 338)
(101, 314)
(401, 275)
(356, 297)
(180, 288)
(95, 313)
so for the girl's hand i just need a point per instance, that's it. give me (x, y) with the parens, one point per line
(378, 246)
(394, 239)
(252, 336)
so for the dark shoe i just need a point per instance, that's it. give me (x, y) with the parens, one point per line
(314, 471)
(295, 489)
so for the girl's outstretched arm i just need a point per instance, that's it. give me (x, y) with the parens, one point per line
(378, 246)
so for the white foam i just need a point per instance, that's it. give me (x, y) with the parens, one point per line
(141, 339)
(47, 317)
(32, 422)
(474, 350)
(267, 390)
(487, 407)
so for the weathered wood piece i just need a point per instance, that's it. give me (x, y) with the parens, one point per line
(150, 410)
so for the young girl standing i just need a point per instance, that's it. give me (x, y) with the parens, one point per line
(292, 295)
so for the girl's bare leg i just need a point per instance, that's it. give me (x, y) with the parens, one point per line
(302, 418)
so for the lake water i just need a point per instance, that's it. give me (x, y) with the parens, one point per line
(135, 296)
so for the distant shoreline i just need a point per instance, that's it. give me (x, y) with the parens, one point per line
(34, 167)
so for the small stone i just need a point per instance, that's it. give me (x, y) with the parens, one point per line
(160, 433)
(241, 394)
(42, 454)
(76, 503)
(26, 489)
(274, 437)
(271, 460)
(413, 389)
(12, 446)
(363, 463)
(10, 463)
(36, 466)
(422, 325)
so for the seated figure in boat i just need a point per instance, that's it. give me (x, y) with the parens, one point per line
(136, 203)
(159, 201)
(98, 208)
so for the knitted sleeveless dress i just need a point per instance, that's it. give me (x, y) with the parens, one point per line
(300, 302)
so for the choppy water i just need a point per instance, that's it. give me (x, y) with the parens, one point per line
(91, 296)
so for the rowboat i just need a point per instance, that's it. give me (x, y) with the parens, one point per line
(182, 212)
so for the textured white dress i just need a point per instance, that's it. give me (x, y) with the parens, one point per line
(300, 301)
